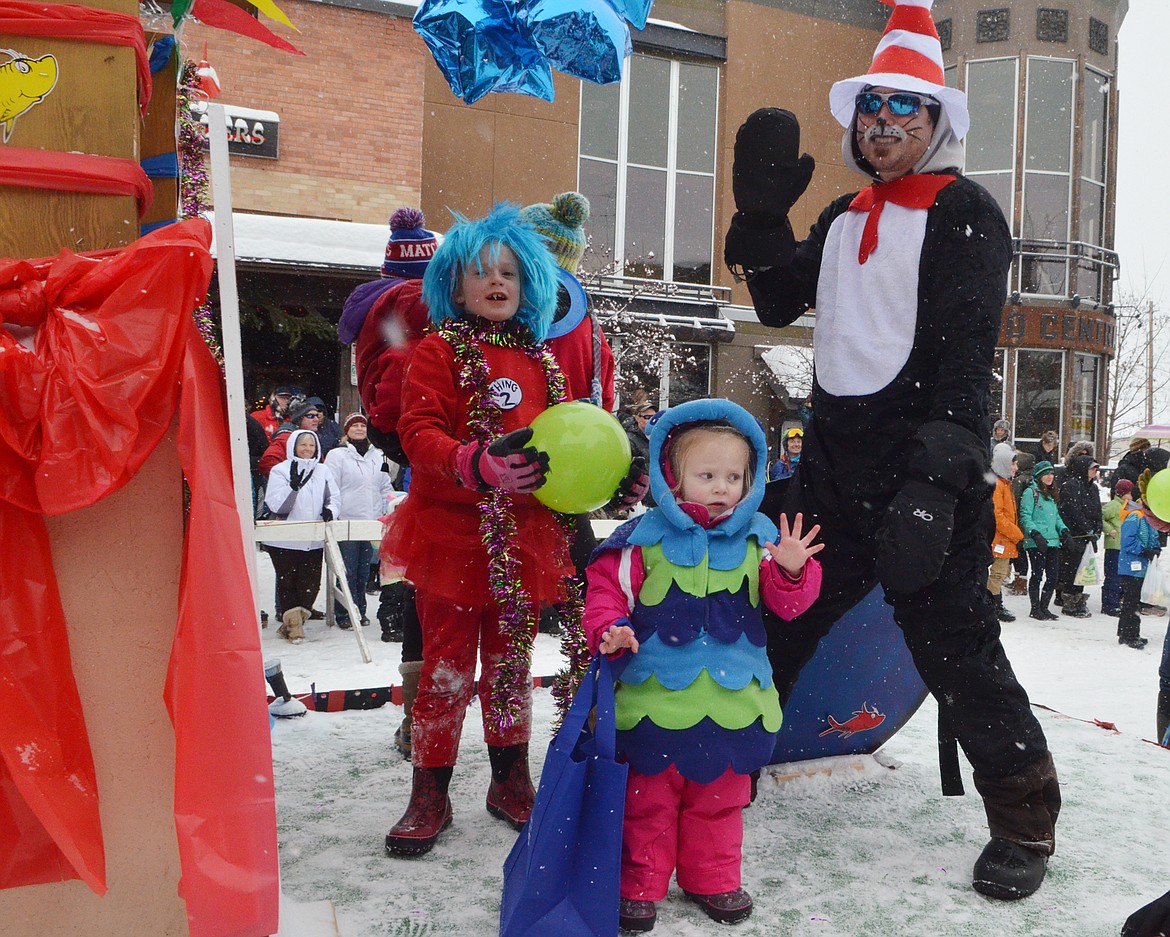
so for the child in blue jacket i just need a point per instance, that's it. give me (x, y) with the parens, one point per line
(1139, 545)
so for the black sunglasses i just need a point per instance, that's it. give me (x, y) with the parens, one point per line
(900, 103)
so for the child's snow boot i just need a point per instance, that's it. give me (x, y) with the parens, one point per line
(1019, 585)
(410, 670)
(1075, 606)
(729, 907)
(636, 916)
(293, 627)
(510, 795)
(427, 814)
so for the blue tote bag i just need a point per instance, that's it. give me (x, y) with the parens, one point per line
(562, 876)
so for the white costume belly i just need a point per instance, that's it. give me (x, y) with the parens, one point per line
(866, 313)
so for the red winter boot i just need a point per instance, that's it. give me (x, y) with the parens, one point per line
(510, 795)
(427, 814)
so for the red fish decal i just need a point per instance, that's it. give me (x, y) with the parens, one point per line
(861, 721)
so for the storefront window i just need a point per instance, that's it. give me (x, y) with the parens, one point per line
(1039, 390)
(647, 165)
(1084, 416)
(991, 144)
(1047, 177)
(1094, 150)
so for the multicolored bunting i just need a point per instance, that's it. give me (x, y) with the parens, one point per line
(224, 15)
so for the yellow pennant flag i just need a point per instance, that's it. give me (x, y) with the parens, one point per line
(270, 9)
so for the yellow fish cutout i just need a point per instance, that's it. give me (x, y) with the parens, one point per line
(24, 82)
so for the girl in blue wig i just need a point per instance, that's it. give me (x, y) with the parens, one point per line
(483, 553)
(470, 248)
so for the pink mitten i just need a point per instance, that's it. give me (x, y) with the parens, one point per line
(508, 463)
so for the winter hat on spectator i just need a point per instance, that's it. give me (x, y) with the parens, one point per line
(1042, 468)
(562, 224)
(354, 418)
(297, 409)
(1124, 487)
(908, 58)
(410, 247)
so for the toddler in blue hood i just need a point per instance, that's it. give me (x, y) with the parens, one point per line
(675, 595)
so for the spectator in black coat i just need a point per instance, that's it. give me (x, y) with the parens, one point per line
(1045, 449)
(257, 443)
(1080, 508)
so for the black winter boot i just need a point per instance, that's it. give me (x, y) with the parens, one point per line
(1021, 814)
(1163, 715)
(427, 814)
(1075, 606)
(1002, 613)
(390, 603)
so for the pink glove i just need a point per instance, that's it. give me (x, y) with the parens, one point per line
(507, 463)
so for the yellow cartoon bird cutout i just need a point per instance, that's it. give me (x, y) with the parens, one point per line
(24, 82)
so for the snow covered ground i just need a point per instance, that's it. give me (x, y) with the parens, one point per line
(873, 849)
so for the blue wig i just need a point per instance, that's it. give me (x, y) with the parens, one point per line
(461, 249)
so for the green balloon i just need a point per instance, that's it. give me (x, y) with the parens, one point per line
(588, 455)
(1158, 494)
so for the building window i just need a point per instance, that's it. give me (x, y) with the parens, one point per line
(1052, 25)
(991, 143)
(1039, 391)
(681, 373)
(1086, 371)
(647, 166)
(1092, 276)
(945, 33)
(1047, 178)
(1098, 36)
(992, 25)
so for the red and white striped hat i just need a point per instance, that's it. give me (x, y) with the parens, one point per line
(908, 58)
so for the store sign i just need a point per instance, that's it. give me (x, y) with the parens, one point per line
(250, 132)
(1060, 328)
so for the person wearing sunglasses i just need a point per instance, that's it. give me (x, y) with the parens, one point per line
(791, 443)
(908, 279)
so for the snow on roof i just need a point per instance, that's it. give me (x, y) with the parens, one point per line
(307, 241)
(792, 366)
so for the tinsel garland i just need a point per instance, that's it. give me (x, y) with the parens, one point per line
(497, 525)
(193, 182)
(574, 646)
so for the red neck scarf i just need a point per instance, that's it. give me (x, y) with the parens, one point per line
(909, 191)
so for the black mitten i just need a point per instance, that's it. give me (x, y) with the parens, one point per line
(913, 543)
(326, 515)
(633, 487)
(295, 478)
(1039, 539)
(767, 177)
(1151, 921)
(1066, 538)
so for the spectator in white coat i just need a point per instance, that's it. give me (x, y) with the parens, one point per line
(363, 483)
(299, 489)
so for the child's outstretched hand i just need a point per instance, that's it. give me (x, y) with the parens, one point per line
(617, 636)
(795, 546)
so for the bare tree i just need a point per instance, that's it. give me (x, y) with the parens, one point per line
(1131, 382)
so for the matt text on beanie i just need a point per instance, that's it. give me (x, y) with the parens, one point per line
(410, 247)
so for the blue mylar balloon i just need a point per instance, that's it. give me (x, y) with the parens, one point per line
(635, 12)
(481, 46)
(583, 38)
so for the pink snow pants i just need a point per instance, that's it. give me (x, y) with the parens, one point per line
(452, 635)
(672, 823)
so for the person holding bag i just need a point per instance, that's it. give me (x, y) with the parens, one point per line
(674, 598)
(1080, 508)
(1045, 531)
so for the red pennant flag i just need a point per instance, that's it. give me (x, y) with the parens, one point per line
(223, 15)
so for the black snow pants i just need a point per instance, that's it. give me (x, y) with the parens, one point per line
(950, 628)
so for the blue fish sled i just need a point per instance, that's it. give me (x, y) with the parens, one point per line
(859, 688)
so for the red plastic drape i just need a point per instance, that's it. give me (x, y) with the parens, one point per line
(75, 172)
(96, 354)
